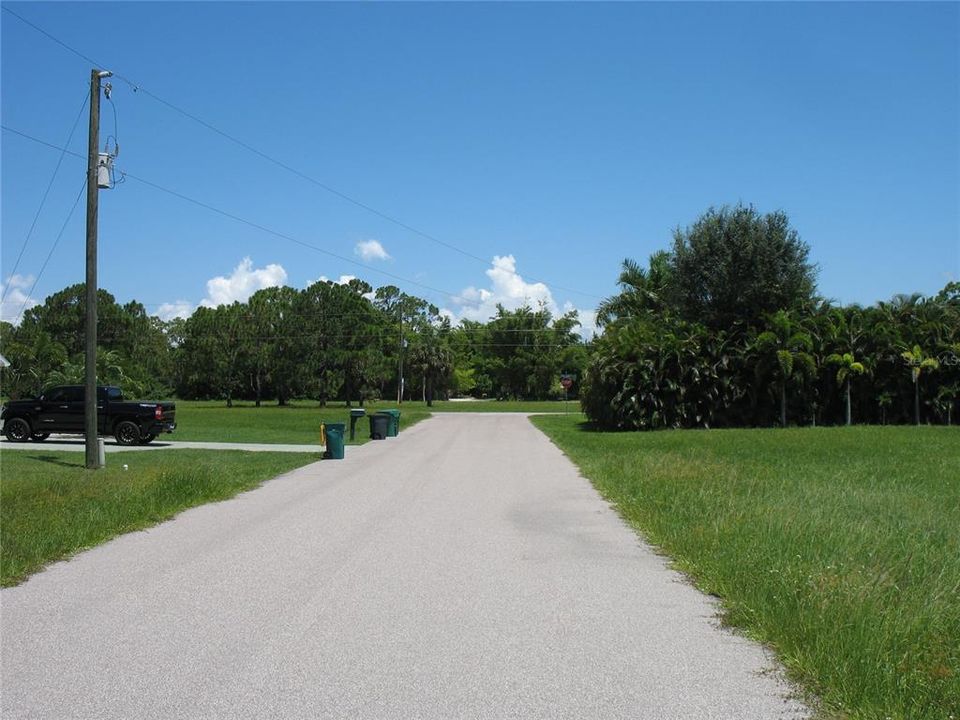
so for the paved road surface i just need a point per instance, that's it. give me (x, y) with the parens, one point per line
(463, 570)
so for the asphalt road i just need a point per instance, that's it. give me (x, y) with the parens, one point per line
(462, 570)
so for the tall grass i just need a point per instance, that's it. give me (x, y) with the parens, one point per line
(840, 547)
(52, 507)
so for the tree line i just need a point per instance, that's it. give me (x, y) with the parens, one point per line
(723, 329)
(329, 341)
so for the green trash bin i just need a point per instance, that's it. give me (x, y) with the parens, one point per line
(394, 422)
(379, 425)
(335, 441)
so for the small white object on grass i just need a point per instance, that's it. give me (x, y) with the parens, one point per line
(126, 467)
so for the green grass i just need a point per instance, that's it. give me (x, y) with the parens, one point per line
(52, 507)
(839, 547)
(297, 423)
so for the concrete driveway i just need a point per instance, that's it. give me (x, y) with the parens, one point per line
(462, 570)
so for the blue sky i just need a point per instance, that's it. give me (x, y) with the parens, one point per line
(557, 138)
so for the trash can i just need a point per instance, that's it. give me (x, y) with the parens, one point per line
(379, 425)
(334, 441)
(354, 416)
(394, 422)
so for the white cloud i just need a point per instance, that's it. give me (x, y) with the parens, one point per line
(15, 297)
(588, 320)
(508, 288)
(342, 280)
(242, 283)
(371, 250)
(176, 309)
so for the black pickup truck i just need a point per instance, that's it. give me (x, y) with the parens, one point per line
(61, 410)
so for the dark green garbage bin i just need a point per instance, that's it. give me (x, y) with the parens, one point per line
(394, 422)
(379, 426)
(355, 415)
(335, 441)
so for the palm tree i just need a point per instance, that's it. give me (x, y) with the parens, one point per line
(884, 400)
(641, 289)
(848, 367)
(945, 399)
(791, 350)
(918, 361)
(435, 363)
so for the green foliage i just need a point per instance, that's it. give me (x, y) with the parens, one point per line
(642, 290)
(784, 352)
(648, 373)
(848, 366)
(329, 341)
(734, 265)
(837, 547)
(525, 351)
(48, 346)
(724, 330)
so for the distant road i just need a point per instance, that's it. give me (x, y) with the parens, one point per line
(462, 570)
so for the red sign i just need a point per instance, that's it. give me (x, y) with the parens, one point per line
(567, 382)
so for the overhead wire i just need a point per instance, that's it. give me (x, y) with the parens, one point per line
(255, 225)
(252, 224)
(137, 88)
(244, 221)
(52, 249)
(43, 200)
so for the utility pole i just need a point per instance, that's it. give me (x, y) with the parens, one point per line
(93, 161)
(400, 361)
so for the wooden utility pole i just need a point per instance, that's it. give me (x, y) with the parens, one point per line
(93, 159)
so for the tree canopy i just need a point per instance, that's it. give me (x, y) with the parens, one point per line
(734, 265)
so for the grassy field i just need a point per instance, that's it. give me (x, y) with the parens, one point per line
(839, 547)
(297, 423)
(51, 507)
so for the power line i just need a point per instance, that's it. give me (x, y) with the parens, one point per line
(37, 140)
(237, 218)
(46, 192)
(51, 37)
(284, 236)
(52, 249)
(244, 221)
(277, 234)
(279, 163)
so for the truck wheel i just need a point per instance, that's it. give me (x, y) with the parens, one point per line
(39, 437)
(147, 439)
(17, 430)
(127, 433)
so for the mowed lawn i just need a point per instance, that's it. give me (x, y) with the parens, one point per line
(52, 507)
(296, 423)
(839, 547)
